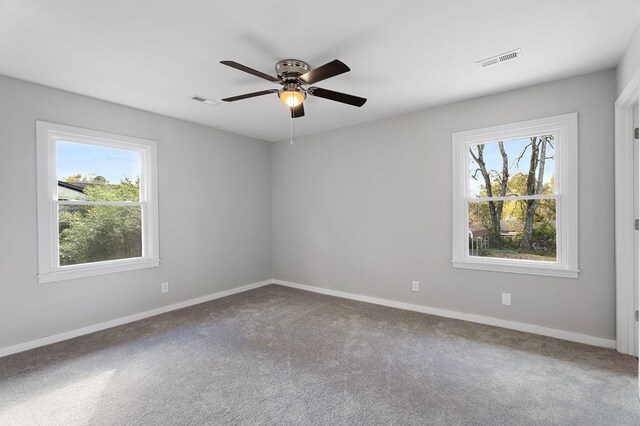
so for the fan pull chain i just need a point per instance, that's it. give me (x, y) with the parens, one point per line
(292, 133)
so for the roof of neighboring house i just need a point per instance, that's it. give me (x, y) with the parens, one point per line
(76, 186)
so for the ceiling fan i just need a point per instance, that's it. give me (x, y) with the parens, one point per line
(295, 76)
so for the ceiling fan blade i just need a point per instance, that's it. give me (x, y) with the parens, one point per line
(251, 71)
(336, 96)
(328, 70)
(250, 95)
(298, 111)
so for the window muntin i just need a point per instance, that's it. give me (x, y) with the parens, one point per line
(97, 202)
(515, 210)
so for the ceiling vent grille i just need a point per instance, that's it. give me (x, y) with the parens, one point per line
(205, 100)
(495, 60)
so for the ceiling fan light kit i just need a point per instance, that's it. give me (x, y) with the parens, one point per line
(291, 95)
(295, 76)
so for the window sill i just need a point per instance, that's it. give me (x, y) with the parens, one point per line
(82, 271)
(509, 267)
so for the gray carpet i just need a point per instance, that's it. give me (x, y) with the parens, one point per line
(276, 355)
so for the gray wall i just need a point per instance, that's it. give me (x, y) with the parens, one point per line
(364, 209)
(630, 62)
(215, 224)
(367, 209)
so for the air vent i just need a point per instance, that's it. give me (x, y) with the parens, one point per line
(204, 100)
(495, 60)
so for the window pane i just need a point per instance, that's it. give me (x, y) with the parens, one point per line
(512, 162)
(98, 233)
(519, 229)
(97, 173)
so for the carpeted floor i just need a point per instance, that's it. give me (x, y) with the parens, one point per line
(276, 355)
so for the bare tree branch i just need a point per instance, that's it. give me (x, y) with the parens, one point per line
(524, 150)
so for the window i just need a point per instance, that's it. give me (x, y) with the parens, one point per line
(97, 202)
(516, 196)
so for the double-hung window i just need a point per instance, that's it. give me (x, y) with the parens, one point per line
(516, 196)
(97, 202)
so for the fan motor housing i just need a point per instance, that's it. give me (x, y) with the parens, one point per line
(291, 69)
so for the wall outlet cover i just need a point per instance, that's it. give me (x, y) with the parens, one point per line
(415, 285)
(506, 299)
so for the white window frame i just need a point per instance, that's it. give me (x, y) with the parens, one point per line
(47, 134)
(565, 129)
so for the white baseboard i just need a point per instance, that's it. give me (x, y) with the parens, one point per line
(529, 328)
(20, 347)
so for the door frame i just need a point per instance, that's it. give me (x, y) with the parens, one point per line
(624, 215)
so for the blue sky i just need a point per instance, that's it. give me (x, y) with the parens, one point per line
(112, 163)
(493, 161)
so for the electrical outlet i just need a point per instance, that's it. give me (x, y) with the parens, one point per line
(506, 299)
(164, 287)
(415, 285)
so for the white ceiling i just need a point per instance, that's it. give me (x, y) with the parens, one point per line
(404, 55)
